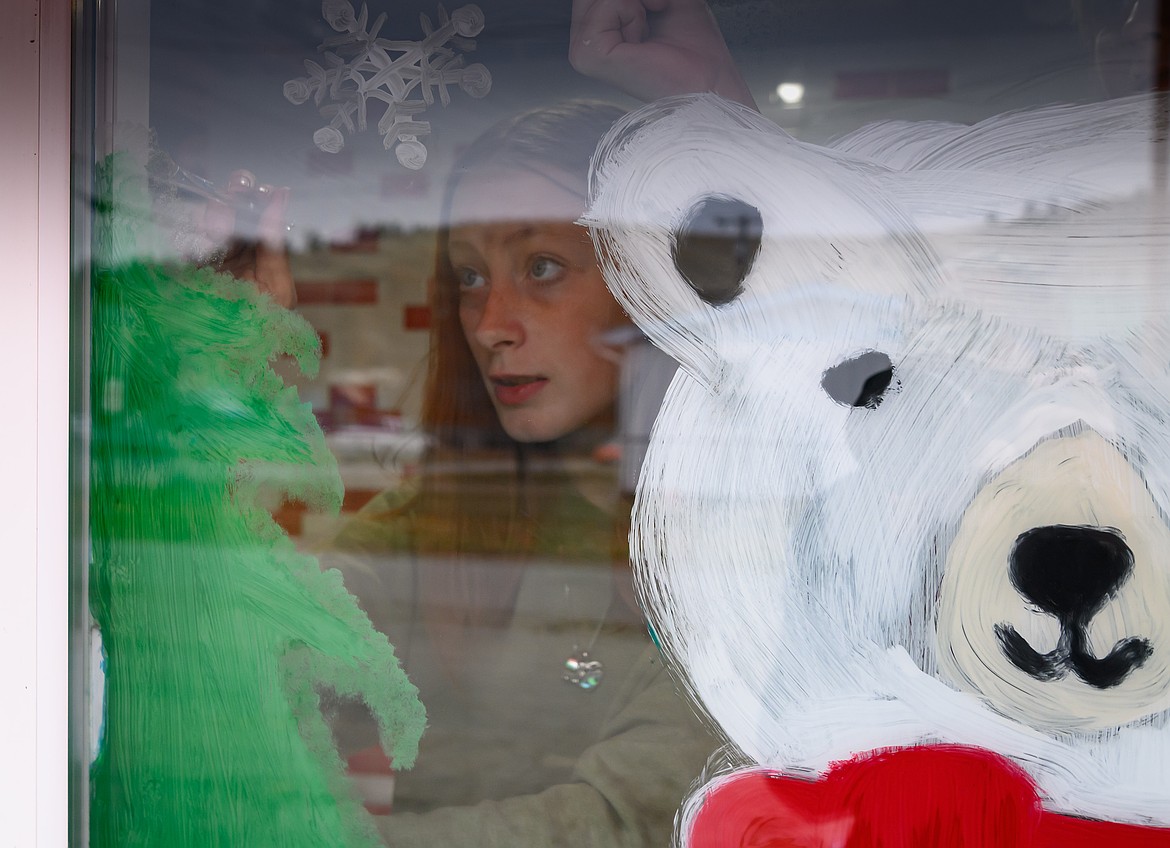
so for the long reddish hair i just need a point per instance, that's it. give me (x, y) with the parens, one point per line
(478, 528)
(457, 411)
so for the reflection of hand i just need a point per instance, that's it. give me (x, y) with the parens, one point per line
(255, 251)
(654, 48)
(1126, 51)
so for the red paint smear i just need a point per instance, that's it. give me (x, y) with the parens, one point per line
(1067, 832)
(924, 797)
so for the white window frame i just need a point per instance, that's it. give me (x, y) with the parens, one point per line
(35, 66)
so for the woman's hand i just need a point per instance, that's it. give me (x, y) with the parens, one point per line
(255, 248)
(654, 48)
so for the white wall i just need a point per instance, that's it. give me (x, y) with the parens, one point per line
(34, 439)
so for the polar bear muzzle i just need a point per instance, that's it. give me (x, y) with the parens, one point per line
(1056, 589)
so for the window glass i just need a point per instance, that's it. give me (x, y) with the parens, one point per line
(367, 423)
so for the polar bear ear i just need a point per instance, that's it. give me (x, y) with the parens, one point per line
(677, 235)
(707, 217)
(716, 245)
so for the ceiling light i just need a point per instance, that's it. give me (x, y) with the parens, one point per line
(790, 93)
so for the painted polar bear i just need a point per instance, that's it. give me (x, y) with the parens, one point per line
(903, 524)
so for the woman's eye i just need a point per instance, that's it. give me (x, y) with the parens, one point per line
(546, 269)
(469, 279)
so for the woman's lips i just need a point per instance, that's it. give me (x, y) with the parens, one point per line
(512, 390)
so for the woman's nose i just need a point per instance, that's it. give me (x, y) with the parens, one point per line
(500, 321)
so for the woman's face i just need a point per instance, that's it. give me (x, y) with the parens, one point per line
(532, 301)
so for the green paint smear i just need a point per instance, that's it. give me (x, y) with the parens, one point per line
(218, 633)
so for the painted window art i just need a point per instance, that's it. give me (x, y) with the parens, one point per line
(916, 576)
(364, 67)
(621, 424)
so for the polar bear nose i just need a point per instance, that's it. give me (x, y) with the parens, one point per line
(715, 246)
(1071, 573)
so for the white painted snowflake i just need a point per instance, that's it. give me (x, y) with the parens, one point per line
(404, 75)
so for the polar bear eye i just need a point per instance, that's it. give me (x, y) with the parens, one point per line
(860, 381)
(716, 245)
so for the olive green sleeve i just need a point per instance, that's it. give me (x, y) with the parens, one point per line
(625, 788)
(628, 785)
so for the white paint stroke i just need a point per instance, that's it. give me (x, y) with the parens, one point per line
(817, 570)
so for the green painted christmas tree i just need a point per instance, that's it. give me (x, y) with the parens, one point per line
(218, 634)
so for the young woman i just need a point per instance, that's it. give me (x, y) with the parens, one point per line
(501, 575)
